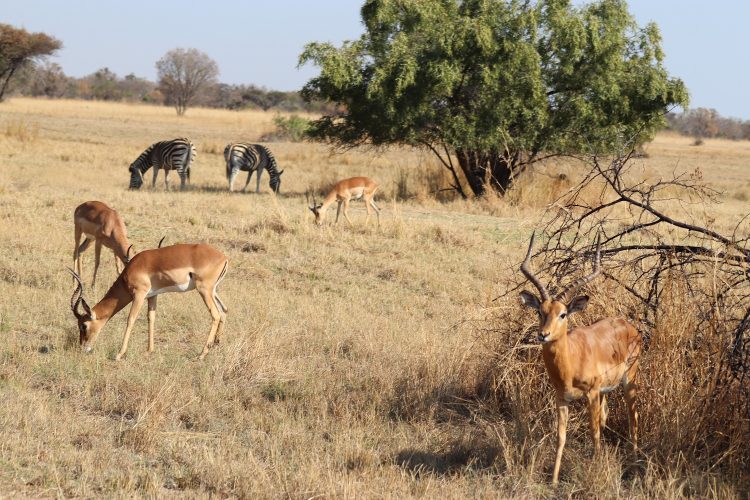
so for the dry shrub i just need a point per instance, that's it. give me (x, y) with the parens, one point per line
(21, 131)
(212, 148)
(535, 188)
(687, 300)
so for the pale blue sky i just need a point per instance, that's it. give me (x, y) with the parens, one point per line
(259, 41)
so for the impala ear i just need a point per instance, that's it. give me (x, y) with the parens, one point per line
(86, 307)
(530, 300)
(578, 304)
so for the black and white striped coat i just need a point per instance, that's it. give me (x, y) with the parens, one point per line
(251, 158)
(177, 154)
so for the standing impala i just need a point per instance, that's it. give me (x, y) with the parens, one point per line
(345, 190)
(102, 224)
(176, 268)
(587, 361)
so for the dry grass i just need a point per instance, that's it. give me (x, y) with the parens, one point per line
(357, 363)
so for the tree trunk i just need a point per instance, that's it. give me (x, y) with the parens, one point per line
(489, 169)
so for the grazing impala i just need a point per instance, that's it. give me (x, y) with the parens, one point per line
(345, 190)
(176, 268)
(102, 224)
(587, 361)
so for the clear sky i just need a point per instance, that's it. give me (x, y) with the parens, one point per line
(259, 41)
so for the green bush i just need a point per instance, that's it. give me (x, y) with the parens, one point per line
(291, 128)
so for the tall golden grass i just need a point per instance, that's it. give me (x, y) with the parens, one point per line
(357, 362)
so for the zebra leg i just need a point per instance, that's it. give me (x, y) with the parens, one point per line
(249, 174)
(231, 177)
(257, 180)
(166, 179)
(182, 181)
(156, 172)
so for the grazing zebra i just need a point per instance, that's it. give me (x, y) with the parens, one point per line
(251, 158)
(176, 154)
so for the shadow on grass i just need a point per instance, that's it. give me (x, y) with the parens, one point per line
(457, 457)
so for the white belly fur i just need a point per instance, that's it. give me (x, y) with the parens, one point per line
(179, 287)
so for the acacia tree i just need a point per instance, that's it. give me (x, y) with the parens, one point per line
(183, 74)
(19, 48)
(493, 86)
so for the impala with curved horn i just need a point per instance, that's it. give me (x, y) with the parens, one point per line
(176, 268)
(587, 361)
(100, 223)
(343, 191)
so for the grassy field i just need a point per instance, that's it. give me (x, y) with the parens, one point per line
(354, 359)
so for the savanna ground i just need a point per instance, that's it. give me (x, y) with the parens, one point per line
(357, 362)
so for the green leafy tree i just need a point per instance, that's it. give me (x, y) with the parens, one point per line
(493, 86)
(19, 48)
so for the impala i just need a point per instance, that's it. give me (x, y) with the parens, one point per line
(102, 224)
(587, 361)
(348, 189)
(176, 268)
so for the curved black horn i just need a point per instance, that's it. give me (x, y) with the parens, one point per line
(77, 296)
(161, 241)
(526, 270)
(567, 294)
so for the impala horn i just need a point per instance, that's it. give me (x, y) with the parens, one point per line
(161, 241)
(526, 270)
(77, 297)
(569, 292)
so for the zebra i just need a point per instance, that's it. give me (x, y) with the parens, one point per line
(176, 154)
(251, 158)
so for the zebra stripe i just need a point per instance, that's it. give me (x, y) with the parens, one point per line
(251, 158)
(177, 154)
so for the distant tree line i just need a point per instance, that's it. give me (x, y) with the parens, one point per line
(48, 79)
(706, 123)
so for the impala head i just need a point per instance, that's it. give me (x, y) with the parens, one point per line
(88, 327)
(315, 209)
(136, 177)
(275, 182)
(554, 312)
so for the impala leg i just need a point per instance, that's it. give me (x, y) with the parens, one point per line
(603, 412)
(117, 265)
(594, 405)
(631, 390)
(346, 211)
(135, 308)
(97, 258)
(223, 318)
(338, 211)
(377, 210)
(77, 251)
(151, 321)
(369, 210)
(562, 430)
(247, 182)
(208, 299)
